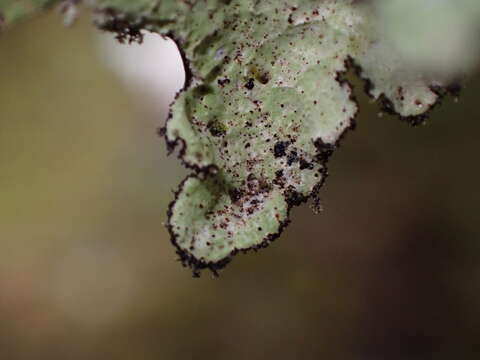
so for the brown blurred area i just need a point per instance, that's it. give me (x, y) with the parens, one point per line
(389, 270)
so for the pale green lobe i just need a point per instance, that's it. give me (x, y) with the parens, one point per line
(266, 89)
(407, 90)
(218, 225)
(264, 107)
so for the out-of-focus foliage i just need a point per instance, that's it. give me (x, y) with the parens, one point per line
(12, 11)
(440, 38)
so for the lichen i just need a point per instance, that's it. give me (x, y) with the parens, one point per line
(264, 106)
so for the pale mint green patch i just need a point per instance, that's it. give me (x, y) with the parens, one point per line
(408, 90)
(219, 225)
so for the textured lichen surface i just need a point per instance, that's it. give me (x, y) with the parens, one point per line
(264, 106)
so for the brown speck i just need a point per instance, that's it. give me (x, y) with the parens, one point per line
(250, 84)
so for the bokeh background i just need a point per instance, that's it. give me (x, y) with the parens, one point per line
(389, 270)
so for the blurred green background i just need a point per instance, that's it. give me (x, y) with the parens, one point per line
(389, 270)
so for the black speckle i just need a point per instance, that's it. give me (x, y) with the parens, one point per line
(304, 164)
(292, 157)
(235, 194)
(280, 148)
(293, 197)
(279, 179)
(223, 82)
(325, 150)
(216, 128)
(250, 84)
